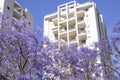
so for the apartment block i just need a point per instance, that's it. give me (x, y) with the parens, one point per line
(77, 23)
(16, 12)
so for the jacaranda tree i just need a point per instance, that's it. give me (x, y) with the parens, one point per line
(24, 57)
(115, 42)
(67, 63)
(17, 45)
(110, 53)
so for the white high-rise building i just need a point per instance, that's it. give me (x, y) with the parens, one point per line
(16, 12)
(75, 23)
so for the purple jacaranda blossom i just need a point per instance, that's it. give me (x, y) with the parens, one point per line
(24, 57)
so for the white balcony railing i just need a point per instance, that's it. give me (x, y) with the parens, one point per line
(72, 28)
(63, 30)
(55, 28)
(80, 20)
(72, 40)
(81, 31)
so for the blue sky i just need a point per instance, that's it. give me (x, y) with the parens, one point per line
(39, 8)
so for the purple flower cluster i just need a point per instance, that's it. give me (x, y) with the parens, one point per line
(24, 57)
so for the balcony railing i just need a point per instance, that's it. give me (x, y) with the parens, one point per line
(82, 36)
(81, 31)
(55, 21)
(63, 30)
(70, 17)
(63, 40)
(72, 28)
(62, 19)
(72, 40)
(80, 19)
(80, 13)
(55, 28)
(82, 44)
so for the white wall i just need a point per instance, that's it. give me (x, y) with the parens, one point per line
(92, 26)
(5, 4)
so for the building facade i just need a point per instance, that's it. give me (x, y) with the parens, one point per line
(75, 23)
(16, 12)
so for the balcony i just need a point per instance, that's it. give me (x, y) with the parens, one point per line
(18, 10)
(71, 14)
(17, 14)
(55, 30)
(72, 36)
(85, 5)
(80, 19)
(73, 40)
(72, 28)
(63, 30)
(64, 23)
(51, 16)
(81, 24)
(54, 27)
(72, 33)
(62, 9)
(62, 16)
(62, 20)
(70, 17)
(55, 21)
(63, 39)
(81, 31)
(80, 13)
(63, 35)
(82, 42)
(82, 34)
(71, 22)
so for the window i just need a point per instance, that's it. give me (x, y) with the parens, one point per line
(71, 7)
(29, 23)
(83, 41)
(8, 7)
(86, 9)
(63, 9)
(82, 29)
